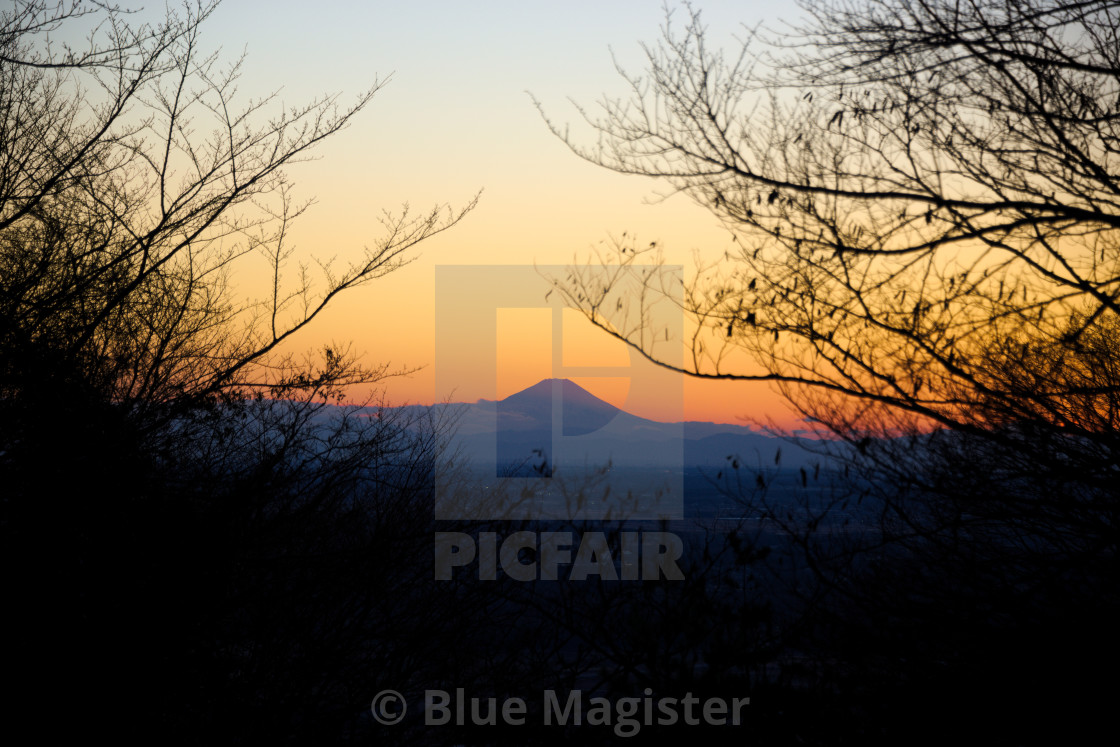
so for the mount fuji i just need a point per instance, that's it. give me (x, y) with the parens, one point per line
(556, 420)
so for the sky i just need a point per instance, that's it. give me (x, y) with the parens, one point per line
(457, 118)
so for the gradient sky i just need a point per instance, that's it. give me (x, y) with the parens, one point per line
(456, 118)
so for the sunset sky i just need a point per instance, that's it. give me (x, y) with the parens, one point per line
(457, 118)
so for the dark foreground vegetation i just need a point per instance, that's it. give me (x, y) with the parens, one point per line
(201, 549)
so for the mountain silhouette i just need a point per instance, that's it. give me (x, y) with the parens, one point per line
(580, 412)
(519, 429)
(557, 418)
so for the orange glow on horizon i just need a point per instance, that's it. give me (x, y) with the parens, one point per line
(541, 204)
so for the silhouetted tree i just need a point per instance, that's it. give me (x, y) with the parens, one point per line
(907, 184)
(923, 201)
(209, 546)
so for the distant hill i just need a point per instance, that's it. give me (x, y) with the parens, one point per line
(556, 420)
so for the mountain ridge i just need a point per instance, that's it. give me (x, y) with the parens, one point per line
(558, 415)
